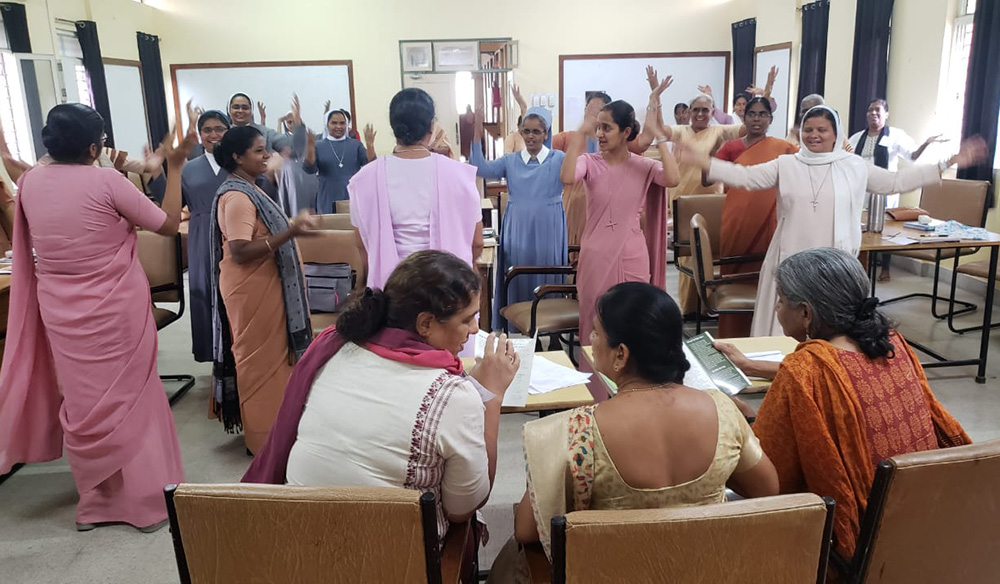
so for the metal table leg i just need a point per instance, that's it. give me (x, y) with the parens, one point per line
(984, 342)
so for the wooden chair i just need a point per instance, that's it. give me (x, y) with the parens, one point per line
(161, 259)
(777, 540)
(342, 207)
(732, 294)
(330, 246)
(337, 221)
(931, 517)
(953, 199)
(240, 533)
(710, 207)
(545, 316)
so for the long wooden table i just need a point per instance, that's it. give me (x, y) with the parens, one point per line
(876, 243)
(747, 344)
(566, 398)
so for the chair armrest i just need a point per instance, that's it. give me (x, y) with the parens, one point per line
(733, 278)
(755, 257)
(573, 248)
(515, 271)
(546, 289)
(539, 568)
(453, 550)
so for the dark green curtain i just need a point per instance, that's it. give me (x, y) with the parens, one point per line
(93, 62)
(812, 56)
(872, 28)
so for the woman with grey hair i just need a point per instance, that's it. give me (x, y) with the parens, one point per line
(534, 224)
(853, 392)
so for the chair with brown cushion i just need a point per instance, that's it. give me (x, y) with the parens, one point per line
(331, 246)
(551, 317)
(729, 294)
(931, 517)
(161, 259)
(777, 540)
(236, 533)
(338, 221)
(953, 199)
(342, 207)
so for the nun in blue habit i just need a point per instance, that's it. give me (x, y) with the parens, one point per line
(533, 231)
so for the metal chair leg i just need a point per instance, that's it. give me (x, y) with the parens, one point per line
(177, 395)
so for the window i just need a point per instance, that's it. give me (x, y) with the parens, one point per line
(957, 73)
(76, 83)
(13, 112)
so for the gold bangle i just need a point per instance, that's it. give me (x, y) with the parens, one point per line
(267, 242)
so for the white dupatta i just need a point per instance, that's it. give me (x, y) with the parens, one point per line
(850, 180)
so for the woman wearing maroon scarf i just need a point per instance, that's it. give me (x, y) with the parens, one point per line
(382, 400)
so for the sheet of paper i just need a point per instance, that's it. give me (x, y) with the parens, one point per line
(547, 376)
(696, 376)
(772, 356)
(517, 392)
(900, 239)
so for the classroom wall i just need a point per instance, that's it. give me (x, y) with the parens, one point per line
(368, 33)
(117, 22)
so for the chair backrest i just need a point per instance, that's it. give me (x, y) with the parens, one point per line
(340, 221)
(160, 258)
(342, 206)
(932, 517)
(685, 207)
(278, 533)
(784, 539)
(332, 246)
(702, 262)
(956, 199)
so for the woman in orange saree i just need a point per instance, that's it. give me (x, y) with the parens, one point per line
(749, 218)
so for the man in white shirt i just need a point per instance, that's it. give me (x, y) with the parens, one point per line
(884, 146)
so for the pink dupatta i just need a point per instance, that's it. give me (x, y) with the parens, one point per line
(449, 228)
(271, 462)
(29, 393)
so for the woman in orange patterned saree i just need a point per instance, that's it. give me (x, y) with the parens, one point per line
(852, 394)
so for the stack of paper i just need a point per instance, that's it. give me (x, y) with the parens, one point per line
(517, 392)
(547, 376)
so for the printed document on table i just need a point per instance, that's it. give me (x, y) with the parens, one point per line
(547, 376)
(517, 392)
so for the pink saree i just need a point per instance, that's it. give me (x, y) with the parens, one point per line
(82, 372)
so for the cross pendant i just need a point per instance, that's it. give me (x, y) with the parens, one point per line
(341, 165)
(611, 224)
(815, 204)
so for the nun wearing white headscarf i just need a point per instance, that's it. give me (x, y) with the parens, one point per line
(336, 158)
(241, 114)
(533, 232)
(821, 192)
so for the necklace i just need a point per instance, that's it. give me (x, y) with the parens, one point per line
(815, 201)
(418, 148)
(638, 389)
(340, 159)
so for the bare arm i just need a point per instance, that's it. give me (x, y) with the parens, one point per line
(525, 526)
(370, 142)
(762, 369)
(477, 242)
(576, 144)
(245, 251)
(176, 157)
(760, 480)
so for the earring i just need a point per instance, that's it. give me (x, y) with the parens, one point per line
(617, 367)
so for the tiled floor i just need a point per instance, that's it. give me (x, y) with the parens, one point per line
(38, 543)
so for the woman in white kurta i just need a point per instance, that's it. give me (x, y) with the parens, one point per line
(821, 192)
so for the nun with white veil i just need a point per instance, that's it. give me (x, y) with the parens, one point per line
(821, 193)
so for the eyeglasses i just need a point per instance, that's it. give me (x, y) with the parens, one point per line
(753, 115)
(530, 132)
(213, 129)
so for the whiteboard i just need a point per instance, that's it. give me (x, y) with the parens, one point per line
(779, 56)
(624, 77)
(211, 85)
(128, 108)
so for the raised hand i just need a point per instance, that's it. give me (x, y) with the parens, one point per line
(369, 134)
(651, 77)
(263, 113)
(152, 160)
(661, 87)
(297, 110)
(310, 140)
(772, 75)
(326, 107)
(754, 90)
(706, 89)
(175, 156)
(194, 112)
(971, 153)
(521, 103)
